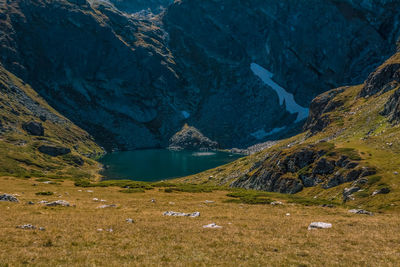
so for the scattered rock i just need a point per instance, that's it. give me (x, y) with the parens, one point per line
(129, 220)
(276, 203)
(319, 225)
(348, 191)
(62, 203)
(30, 226)
(384, 190)
(209, 201)
(212, 225)
(7, 197)
(360, 211)
(287, 214)
(43, 202)
(54, 151)
(153, 201)
(107, 206)
(95, 199)
(30, 203)
(181, 214)
(171, 203)
(33, 128)
(89, 191)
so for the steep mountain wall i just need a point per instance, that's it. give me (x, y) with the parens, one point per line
(132, 81)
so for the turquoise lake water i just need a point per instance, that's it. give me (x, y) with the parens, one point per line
(160, 164)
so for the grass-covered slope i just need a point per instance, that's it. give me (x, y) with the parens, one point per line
(344, 123)
(20, 144)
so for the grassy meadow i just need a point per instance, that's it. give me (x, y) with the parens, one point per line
(251, 234)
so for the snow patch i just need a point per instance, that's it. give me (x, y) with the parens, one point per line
(260, 134)
(284, 96)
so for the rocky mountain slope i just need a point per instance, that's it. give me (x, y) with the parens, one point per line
(132, 79)
(35, 140)
(348, 150)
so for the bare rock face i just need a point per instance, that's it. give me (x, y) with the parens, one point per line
(382, 80)
(317, 120)
(192, 139)
(132, 78)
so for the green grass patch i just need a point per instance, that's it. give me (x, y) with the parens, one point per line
(350, 152)
(192, 188)
(249, 197)
(374, 179)
(133, 190)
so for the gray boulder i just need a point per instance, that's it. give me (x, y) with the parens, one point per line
(33, 128)
(384, 190)
(7, 197)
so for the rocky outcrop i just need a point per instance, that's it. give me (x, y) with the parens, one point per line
(54, 151)
(392, 107)
(33, 128)
(291, 171)
(324, 103)
(385, 78)
(192, 139)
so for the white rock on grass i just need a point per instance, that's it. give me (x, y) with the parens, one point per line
(319, 225)
(181, 214)
(209, 201)
(276, 203)
(27, 226)
(129, 220)
(212, 225)
(62, 203)
(106, 206)
(360, 211)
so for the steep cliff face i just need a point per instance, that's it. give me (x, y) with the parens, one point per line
(239, 71)
(307, 47)
(108, 72)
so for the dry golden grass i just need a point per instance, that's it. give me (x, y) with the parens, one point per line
(252, 235)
